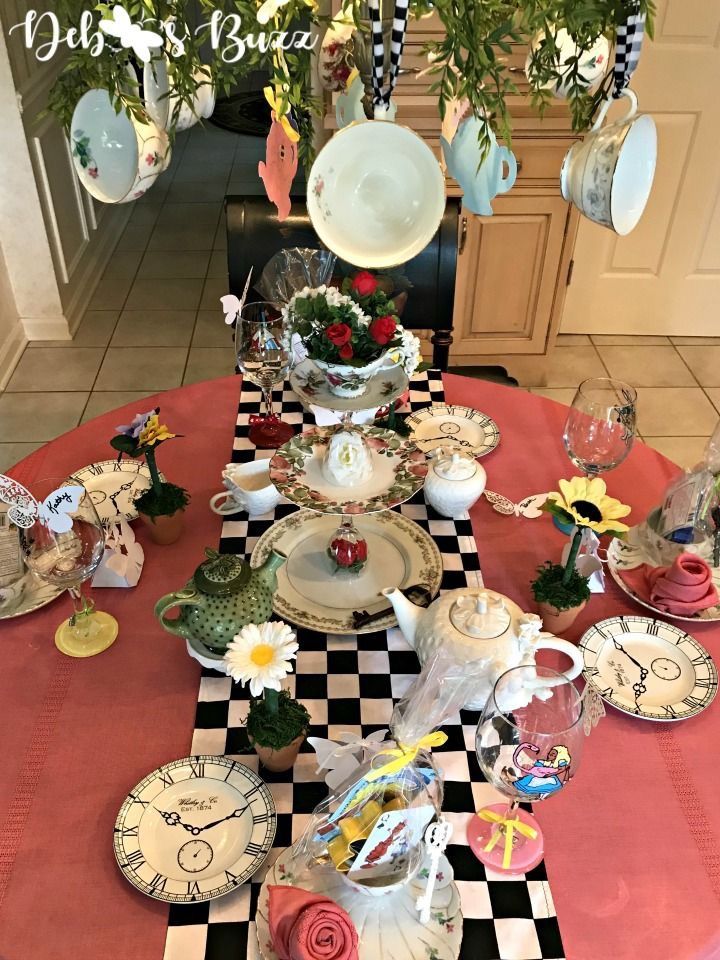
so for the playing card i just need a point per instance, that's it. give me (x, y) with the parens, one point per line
(386, 850)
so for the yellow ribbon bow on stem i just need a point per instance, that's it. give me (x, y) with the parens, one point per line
(507, 825)
(283, 119)
(404, 755)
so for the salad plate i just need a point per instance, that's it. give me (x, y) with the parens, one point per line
(194, 829)
(390, 926)
(26, 594)
(309, 594)
(450, 425)
(629, 554)
(399, 471)
(113, 486)
(311, 386)
(648, 668)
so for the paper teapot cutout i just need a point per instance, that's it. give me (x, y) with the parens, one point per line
(122, 560)
(483, 184)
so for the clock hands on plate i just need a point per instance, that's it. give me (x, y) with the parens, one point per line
(172, 818)
(638, 688)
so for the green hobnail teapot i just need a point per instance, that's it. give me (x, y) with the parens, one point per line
(225, 594)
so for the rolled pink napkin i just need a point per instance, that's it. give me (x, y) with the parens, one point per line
(684, 588)
(307, 926)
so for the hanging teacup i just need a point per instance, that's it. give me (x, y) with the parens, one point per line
(480, 184)
(609, 174)
(349, 105)
(182, 116)
(591, 67)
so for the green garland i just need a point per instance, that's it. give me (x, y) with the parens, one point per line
(276, 720)
(470, 61)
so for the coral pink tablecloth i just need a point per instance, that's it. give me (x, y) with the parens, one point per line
(632, 848)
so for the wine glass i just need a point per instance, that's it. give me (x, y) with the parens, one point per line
(262, 347)
(68, 559)
(529, 743)
(600, 427)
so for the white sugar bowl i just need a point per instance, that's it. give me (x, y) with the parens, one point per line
(455, 480)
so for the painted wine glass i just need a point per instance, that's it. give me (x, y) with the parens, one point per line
(64, 546)
(600, 426)
(264, 356)
(529, 744)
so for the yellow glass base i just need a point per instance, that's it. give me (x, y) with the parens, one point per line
(101, 634)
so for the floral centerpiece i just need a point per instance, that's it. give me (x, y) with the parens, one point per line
(561, 591)
(277, 724)
(160, 506)
(351, 334)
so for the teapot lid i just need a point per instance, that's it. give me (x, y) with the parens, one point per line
(455, 465)
(480, 616)
(221, 574)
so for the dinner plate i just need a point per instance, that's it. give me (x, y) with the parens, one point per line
(648, 668)
(390, 926)
(28, 593)
(400, 554)
(194, 829)
(312, 388)
(113, 486)
(399, 470)
(627, 554)
(449, 425)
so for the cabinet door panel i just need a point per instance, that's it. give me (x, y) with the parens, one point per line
(508, 276)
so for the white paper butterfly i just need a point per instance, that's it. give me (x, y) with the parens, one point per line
(529, 507)
(232, 306)
(55, 510)
(131, 35)
(342, 758)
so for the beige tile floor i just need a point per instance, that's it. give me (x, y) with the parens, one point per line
(154, 324)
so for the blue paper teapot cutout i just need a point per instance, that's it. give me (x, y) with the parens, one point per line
(481, 185)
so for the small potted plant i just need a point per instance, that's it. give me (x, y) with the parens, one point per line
(351, 335)
(562, 591)
(161, 506)
(277, 724)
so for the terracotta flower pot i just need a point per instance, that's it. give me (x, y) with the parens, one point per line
(164, 529)
(278, 760)
(556, 621)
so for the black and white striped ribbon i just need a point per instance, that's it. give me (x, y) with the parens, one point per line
(381, 95)
(627, 51)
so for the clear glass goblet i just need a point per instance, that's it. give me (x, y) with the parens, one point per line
(262, 347)
(529, 743)
(67, 559)
(600, 426)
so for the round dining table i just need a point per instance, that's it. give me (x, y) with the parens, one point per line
(632, 848)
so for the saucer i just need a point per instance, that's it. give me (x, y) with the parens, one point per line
(312, 388)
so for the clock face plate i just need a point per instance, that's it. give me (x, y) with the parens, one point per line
(194, 829)
(113, 486)
(648, 668)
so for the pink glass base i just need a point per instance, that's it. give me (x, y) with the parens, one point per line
(269, 433)
(526, 853)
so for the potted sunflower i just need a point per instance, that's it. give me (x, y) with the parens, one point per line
(277, 724)
(561, 591)
(161, 506)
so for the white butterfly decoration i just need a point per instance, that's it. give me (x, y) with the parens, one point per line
(232, 306)
(55, 511)
(122, 560)
(341, 759)
(529, 507)
(131, 35)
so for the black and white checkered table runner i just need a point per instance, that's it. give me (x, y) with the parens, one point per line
(351, 683)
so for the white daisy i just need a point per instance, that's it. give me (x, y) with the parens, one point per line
(260, 655)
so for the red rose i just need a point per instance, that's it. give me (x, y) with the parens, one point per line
(345, 552)
(346, 351)
(364, 283)
(361, 551)
(339, 334)
(382, 330)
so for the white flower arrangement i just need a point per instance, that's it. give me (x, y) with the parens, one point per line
(333, 297)
(409, 353)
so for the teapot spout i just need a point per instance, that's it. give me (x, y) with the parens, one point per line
(408, 614)
(268, 571)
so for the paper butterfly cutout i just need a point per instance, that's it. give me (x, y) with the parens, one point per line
(594, 709)
(54, 511)
(342, 758)
(270, 8)
(232, 307)
(131, 35)
(529, 507)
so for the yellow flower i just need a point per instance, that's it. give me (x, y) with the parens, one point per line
(154, 433)
(586, 502)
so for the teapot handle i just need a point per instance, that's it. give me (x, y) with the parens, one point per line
(549, 642)
(182, 598)
(508, 157)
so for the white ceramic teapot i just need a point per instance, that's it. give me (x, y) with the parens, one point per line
(479, 624)
(454, 481)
